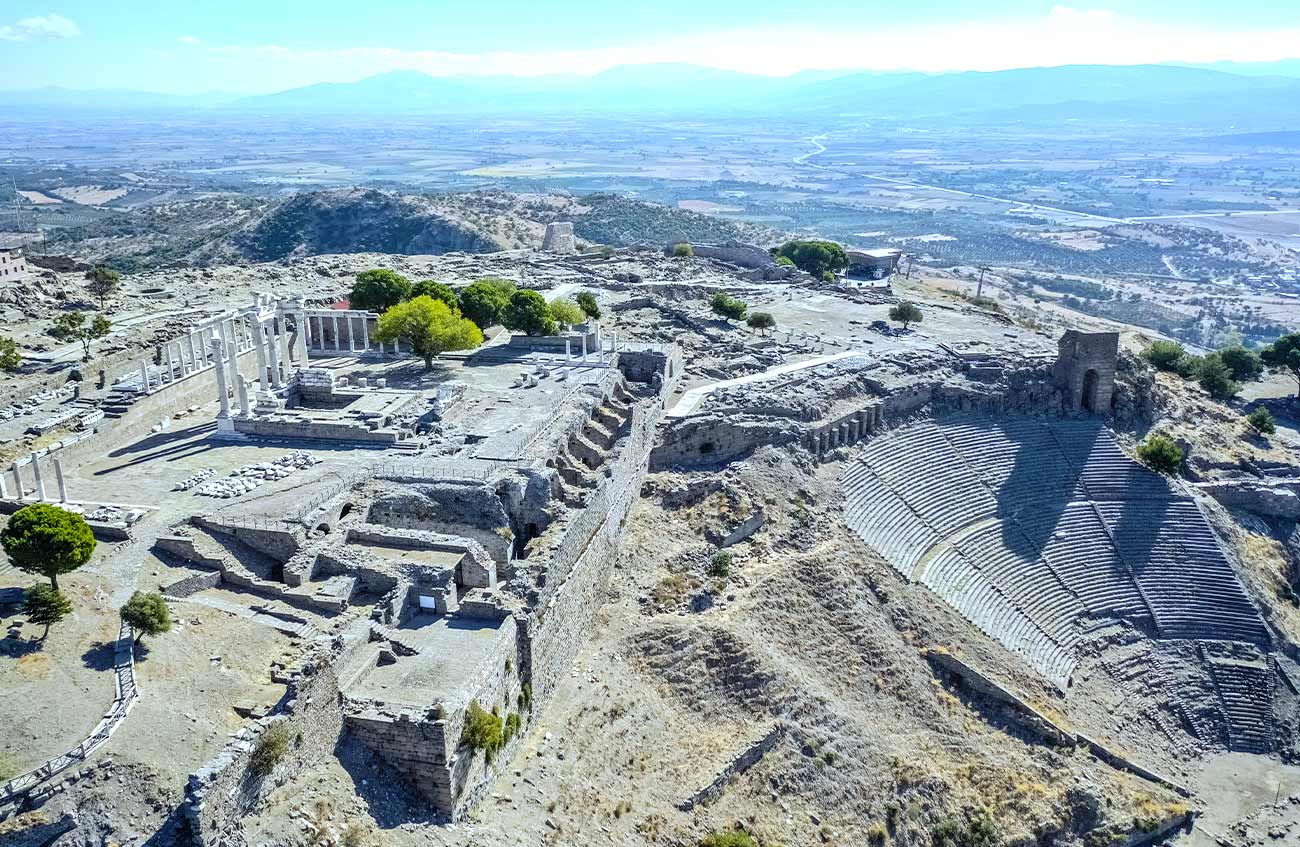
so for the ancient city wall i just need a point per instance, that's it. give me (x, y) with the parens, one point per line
(226, 789)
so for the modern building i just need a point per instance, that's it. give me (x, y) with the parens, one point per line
(12, 264)
(873, 264)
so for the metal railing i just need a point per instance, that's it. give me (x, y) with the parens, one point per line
(125, 693)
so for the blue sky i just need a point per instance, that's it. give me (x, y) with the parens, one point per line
(190, 46)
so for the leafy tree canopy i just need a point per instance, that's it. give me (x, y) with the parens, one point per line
(1167, 356)
(587, 302)
(10, 358)
(103, 282)
(814, 257)
(1243, 365)
(44, 539)
(429, 327)
(438, 291)
(147, 614)
(379, 290)
(484, 302)
(1284, 355)
(45, 605)
(529, 313)
(1215, 377)
(566, 312)
(73, 326)
(761, 321)
(683, 250)
(906, 313)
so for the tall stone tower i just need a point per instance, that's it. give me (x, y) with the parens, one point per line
(1085, 369)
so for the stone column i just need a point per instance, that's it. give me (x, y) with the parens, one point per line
(222, 388)
(365, 332)
(335, 319)
(241, 388)
(196, 348)
(260, 343)
(144, 376)
(4, 489)
(19, 494)
(568, 352)
(273, 349)
(584, 346)
(36, 475)
(171, 368)
(58, 479)
(352, 332)
(232, 361)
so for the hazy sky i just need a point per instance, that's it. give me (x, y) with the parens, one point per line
(187, 46)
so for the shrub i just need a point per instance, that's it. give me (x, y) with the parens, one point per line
(1284, 355)
(1261, 421)
(727, 306)
(1214, 376)
(728, 838)
(1171, 357)
(785, 261)
(511, 727)
(429, 327)
(972, 829)
(1160, 454)
(355, 835)
(906, 313)
(829, 276)
(761, 321)
(526, 697)
(683, 251)
(720, 564)
(587, 303)
(483, 730)
(271, 749)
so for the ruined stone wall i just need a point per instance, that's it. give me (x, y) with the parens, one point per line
(554, 633)
(470, 509)
(223, 791)
(279, 544)
(732, 252)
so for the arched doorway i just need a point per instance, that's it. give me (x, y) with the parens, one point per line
(1089, 397)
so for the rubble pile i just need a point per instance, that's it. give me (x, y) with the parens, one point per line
(245, 479)
(195, 479)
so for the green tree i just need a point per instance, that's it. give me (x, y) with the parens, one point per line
(906, 313)
(103, 282)
(1160, 454)
(483, 730)
(429, 327)
(45, 605)
(379, 290)
(147, 614)
(587, 303)
(1244, 365)
(485, 301)
(761, 321)
(1261, 421)
(10, 358)
(785, 261)
(72, 326)
(529, 313)
(1284, 355)
(727, 306)
(438, 291)
(566, 312)
(1215, 377)
(815, 257)
(46, 540)
(683, 250)
(1169, 356)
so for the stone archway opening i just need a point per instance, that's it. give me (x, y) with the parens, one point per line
(1089, 396)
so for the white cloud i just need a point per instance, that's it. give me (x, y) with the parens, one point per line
(41, 26)
(1063, 36)
(189, 39)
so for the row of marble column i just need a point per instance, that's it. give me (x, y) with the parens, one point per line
(38, 481)
(341, 322)
(847, 432)
(191, 353)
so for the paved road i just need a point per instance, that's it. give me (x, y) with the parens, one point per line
(688, 401)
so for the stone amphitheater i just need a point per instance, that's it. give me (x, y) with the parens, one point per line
(1044, 533)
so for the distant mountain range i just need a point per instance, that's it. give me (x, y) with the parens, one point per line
(1249, 93)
